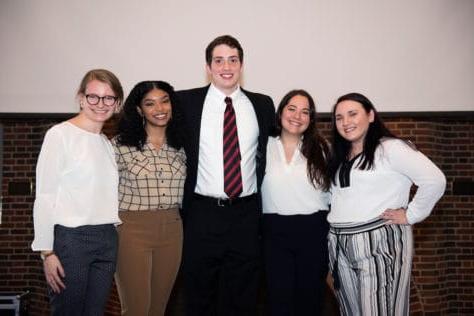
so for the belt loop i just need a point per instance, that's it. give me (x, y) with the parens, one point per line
(221, 202)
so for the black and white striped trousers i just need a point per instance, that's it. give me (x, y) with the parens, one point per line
(372, 262)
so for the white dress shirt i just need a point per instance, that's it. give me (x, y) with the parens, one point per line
(210, 177)
(286, 189)
(76, 182)
(387, 186)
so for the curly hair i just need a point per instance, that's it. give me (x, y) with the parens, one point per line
(131, 131)
(314, 147)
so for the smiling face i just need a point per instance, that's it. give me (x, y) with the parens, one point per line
(295, 117)
(352, 123)
(225, 68)
(99, 112)
(156, 108)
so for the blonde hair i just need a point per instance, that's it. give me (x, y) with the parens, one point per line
(104, 76)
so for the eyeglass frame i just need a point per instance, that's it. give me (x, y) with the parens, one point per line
(105, 97)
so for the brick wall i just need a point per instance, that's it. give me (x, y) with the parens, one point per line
(443, 271)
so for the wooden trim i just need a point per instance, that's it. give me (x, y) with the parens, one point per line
(27, 116)
(458, 115)
(464, 115)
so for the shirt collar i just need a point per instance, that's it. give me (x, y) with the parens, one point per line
(216, 93)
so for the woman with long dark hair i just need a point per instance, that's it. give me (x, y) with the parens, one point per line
(152, 171)
(295, 203)
(370, 239)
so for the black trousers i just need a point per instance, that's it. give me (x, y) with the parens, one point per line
(221, 258)
(296, 263)
(88, 255)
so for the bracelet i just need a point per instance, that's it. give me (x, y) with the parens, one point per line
(46, 255)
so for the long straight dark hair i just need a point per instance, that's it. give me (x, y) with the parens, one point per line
(314, 147)
(341, 147)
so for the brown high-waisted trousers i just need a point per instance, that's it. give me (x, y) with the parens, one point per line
(149, 255)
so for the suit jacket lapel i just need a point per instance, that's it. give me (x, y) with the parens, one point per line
(258, 113)
(261, 148)
(197, 108)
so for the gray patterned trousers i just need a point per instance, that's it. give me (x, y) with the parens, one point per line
(88, 255)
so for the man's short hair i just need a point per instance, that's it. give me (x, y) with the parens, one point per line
(224, 40)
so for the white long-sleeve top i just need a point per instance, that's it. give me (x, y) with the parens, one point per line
(76, 182)
(387, 186)
(286, 189)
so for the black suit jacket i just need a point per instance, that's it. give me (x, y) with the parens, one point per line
(190, 106)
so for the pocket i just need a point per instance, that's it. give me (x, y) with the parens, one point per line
(174, 227)
(140, 166)
(178, 168)
(174, 219)
(63, 238)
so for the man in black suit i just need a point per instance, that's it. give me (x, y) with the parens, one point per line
(221, 243)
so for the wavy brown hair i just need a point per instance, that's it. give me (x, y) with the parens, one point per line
(314, 147)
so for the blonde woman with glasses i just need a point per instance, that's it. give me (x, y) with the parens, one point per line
(76, 204)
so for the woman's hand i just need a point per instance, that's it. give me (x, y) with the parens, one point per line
(54, 272)
(395, 216)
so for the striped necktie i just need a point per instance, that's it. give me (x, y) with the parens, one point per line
(232, 172)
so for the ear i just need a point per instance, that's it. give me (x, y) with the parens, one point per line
(139, 110)
(80, 97)
(208, 69)
(371, 116)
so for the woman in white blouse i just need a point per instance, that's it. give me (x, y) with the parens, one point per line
(295, 204)
(76, 202)
(370, 240)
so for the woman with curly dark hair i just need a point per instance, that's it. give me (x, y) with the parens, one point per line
(152, 171)
(295, 202)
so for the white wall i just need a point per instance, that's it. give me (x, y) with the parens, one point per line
(407, 55)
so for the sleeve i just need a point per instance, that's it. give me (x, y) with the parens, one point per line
(48, 178)
(118, 156)
(429, 179)
(272, 114)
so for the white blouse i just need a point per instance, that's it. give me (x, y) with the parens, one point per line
(286, 189)
(387, 186)
(76, 182)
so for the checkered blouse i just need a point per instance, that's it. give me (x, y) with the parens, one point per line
(150, 179)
